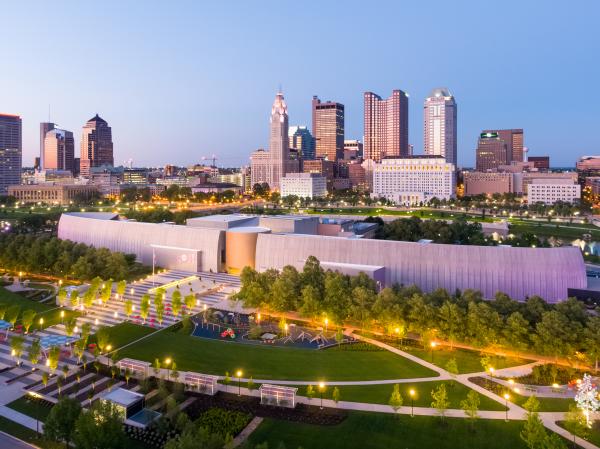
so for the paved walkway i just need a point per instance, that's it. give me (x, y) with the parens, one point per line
(244, 434)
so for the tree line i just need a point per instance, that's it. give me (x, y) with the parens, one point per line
(563, 330)
(50, 255)
(459, 231)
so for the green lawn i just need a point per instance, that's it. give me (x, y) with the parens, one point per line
(49, 312)
(268, 362)
(125, 333)
(546, 404)
(549, 229)
(376, 431)
(26, 434)
(467, 361)
(380, 394)
(30, 408)
(592, 435)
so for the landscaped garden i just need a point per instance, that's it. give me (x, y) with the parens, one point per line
(369, 430)
(267, 362)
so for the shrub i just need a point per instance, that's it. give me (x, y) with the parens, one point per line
(223, 422)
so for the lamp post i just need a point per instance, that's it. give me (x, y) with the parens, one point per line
(238, 374)
(433, 344)
(506, 398)
(321, 388)
(34, 395)
(412, 402)
(62, 316)
(167, 363)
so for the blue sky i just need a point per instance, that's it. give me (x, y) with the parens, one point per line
(180, 80)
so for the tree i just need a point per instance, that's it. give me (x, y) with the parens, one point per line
(100, 427)
(196, 438)
(452, 368)
(156, 367)
(189, 302)
(160, 312)
(102, 338)
(310, 392)
(250, 384)
(17, 343)
(128, 307)
(592, 339)
(12, 313)
(45, 379)
(335, 395)
(396, 399)
(226, 380)
(533, 432)
(440, 400)
(74, 298)
(587, 399)
(145, 306)
(60, 424)
(62, 296)
(576, 423)
(35, 350)
(121, 286)
(339, 336)
(27, 319)
(470, 406)
(70, 324)
(176, 303)
(106, 292)
(451, 321)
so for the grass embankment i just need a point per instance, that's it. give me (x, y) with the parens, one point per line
(124, 333)
(50, 312)
(268, 362)
(375, 431)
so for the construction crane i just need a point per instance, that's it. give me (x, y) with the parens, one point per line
(212, 158)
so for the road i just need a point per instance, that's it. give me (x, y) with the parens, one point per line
(9, 442)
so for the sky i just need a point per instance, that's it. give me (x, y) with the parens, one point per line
(181, 80)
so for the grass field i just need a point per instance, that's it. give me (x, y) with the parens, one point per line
(467, 361)
(30, 408)
(380, 394)
(546, 404)
(376, 431)
(49, 312)
(592, 435)
(26, 434)
(125, 333)
(267, 362)
(575, 231)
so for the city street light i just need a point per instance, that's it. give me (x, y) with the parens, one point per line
(321, 388)
(167, 363)
(35, 395)
(506, 398)
(412, 402)
(433, 344)
(238, 374)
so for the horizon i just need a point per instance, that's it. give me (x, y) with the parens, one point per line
(168, 95)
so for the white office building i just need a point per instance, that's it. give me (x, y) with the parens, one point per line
(549, 191)
(414, 180)
(304, 185)
(439, 132)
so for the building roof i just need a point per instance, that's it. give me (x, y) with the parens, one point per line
(249, 229)
(96, 118)
(123, 397)
(440, 92)
(95, 215)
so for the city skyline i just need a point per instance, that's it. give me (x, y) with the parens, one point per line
(192, 98)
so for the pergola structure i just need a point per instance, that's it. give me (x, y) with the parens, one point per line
(137, 368)
(278, 395)
(202, 383)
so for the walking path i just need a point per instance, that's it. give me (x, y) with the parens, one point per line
(244, 434)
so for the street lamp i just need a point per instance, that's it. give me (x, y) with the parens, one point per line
(62, 316)
(506, 398)
(321, 389)
(35, 395)
(238, 374)
(167, 363)
(412, 402)
(433, 344)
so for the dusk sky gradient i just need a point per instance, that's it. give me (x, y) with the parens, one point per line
(179, 80)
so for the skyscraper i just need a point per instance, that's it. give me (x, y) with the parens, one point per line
(96, 145)
(386, 125)
(439, 132)
(270, 166)
(497, 147)
(10, 151)
(302, 140)
(59, 150)
(328, 129)
(44, 128)
(279, 141)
